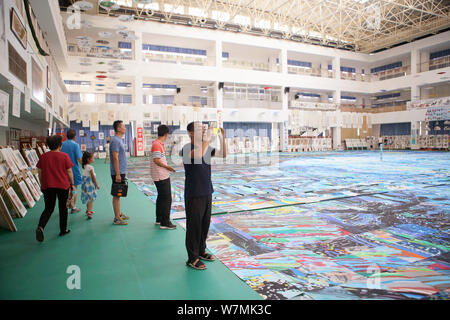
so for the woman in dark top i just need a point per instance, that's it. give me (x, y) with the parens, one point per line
(55, 173)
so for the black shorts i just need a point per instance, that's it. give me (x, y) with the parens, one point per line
(122, 178)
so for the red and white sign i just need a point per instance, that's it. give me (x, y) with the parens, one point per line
(140, 139)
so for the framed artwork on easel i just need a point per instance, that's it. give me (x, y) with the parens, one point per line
(34, 182)
(32, 188)
(27, 195)
(9, 160)
(6, 220)
(20, 161)
(21, 210)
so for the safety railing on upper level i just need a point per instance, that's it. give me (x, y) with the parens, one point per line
(433, 64)
(174, 58)
(98, 52)
(250, 65)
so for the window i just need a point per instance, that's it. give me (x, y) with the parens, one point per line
(74, 97)
(89, 97)
(118, 98)
(163, 99)
(386, 67)
(299, 63)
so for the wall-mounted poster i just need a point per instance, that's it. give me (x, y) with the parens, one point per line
(81, 133)
(2, 21)
(49, 79)
(101, 135)
(27, 102)
(94, 127)
(27, 195)
(111, 133)
(18, 29)
(16, 103)
(17, 203)
(6, 221)
(32, 189)
(4, 108)
(111, 116)
(83, 147)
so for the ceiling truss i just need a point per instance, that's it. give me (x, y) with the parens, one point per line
(359, 25)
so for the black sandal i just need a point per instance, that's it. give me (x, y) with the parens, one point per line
(207, 257)
(198, 266)
(64, 233)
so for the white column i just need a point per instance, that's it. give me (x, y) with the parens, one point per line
(284, 131)
(424, 61)
(415, 59)
(336, 137)
(324, 67)
(138, 79)
(138, 47)
(283, 60)
(218, 51)
(138, 92)
(415, 93)
(337, 67)
(337, 96)
(218, 96)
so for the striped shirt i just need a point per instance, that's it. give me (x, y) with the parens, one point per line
(158, 152)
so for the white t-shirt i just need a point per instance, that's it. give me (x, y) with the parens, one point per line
(87, 170)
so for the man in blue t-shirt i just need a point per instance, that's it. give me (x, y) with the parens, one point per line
(118, 162)
(73, 150)
(198, 191)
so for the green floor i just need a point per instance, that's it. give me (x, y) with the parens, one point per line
(138, 261)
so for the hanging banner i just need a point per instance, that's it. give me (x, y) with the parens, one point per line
(16, 103)
(140, 140)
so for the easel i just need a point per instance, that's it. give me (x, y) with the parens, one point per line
(19, 176)
(10, 202)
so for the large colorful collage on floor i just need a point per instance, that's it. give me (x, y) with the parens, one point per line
(302, 178)
(391, 242)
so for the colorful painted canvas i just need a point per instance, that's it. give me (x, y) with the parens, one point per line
(386, 246)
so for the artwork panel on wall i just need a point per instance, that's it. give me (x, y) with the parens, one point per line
(4, 108)
(18, 29)
(16, 103)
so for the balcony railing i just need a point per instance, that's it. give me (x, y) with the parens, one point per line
(434, 64)
(174, 58)
(249, 65)
(96, 52)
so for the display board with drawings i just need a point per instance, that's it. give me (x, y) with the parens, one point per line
(19, 185)
(6, 221)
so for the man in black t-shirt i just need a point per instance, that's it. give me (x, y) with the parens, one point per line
(198, 191)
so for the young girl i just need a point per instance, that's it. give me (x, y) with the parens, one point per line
(89, 186)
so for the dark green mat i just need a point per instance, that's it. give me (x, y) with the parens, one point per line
(138, 261)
